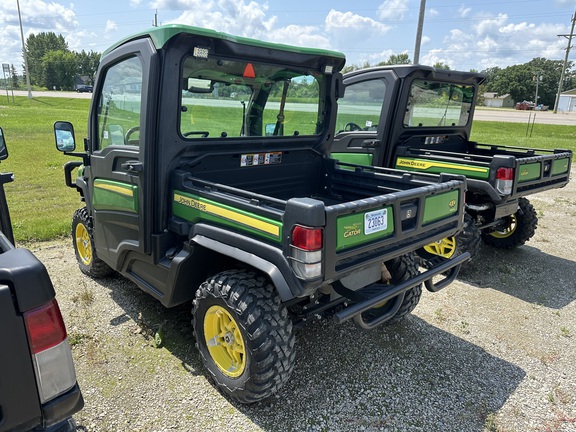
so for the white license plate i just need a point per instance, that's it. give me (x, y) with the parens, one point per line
(375, 221)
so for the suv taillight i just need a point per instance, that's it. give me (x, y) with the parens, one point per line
(306, 252)
(504, 180)
(51, 353)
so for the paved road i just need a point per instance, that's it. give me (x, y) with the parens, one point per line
(518, 116)
(503, 115)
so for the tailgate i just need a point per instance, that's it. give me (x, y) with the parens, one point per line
(539, 173)
(411, 211)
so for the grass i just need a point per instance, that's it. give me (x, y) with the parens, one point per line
(543, 136)
(41, 205)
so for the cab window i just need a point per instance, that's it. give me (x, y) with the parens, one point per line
(438, 104)
(119, 105)
(360, 108)
(228, 98)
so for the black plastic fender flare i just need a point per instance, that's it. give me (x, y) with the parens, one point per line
(251, 259)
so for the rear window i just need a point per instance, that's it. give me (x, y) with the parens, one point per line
(438, 104)
(228, 98)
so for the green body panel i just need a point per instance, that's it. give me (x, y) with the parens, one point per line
(114, 195)
(364, 159)
(350, 230)
(437, 207)
(437, 167)
(529, 172)
(560, 166)
(162, 34)
(196, 209)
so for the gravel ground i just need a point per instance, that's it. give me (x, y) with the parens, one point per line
(495, 351)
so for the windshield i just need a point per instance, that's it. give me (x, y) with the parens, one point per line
(438, 104)
(228, 98)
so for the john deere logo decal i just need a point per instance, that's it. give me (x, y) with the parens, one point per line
(352, 230)
(452, 203)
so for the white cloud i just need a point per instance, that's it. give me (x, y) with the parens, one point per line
(306, 36)
(393, 10)
(464, 11)
(490, 25)
(432, 12)
(111, 26)
(235, 17)
(336, 21)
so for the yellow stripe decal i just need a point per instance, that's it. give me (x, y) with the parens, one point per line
(126, 191)
(423, 164)
(228, 214)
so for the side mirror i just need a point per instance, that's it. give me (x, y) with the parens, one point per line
(64, 135)
(3, 148)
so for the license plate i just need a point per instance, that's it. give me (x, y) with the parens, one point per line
(375, 221)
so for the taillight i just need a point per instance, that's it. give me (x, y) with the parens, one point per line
(51, 353)
(309, 239)
(306, 252)
(45, 327)
(504, 180)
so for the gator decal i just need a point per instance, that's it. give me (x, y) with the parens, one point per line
(364, 159)
(115, 195)
(560, 166)
(529, 172)
(437, 207)
(432, 166)
(195, 209)
(355, 229)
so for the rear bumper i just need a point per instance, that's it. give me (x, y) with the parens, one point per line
(449, 269)
(57, 411)
(68, 425)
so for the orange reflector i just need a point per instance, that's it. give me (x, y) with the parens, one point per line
(249, 71)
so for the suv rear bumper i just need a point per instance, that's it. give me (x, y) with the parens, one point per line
(61, 408)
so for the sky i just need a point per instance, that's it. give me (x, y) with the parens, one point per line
(464, 35)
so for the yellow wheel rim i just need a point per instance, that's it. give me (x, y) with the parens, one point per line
(508, 231)
(83, 244)
(445, 248)
(224, 341)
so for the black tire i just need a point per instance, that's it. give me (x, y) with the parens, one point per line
(83, 242)
(256, 355)
(401, 269)
(521, 227)
(468, 240)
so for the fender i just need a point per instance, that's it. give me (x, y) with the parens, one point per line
(267, 259)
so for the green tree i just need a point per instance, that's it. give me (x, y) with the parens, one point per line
(87, 64)
(37, 46)
(520, 80)
(15, 80)
(441, 65)
(396, 59)
(58, 70)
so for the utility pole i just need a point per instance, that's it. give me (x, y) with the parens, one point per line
(538, 76)
(565, 63)
(24, 53)
(419, 31)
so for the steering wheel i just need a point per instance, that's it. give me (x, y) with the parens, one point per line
(127, 135)
(349, 127)
(203, 134)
